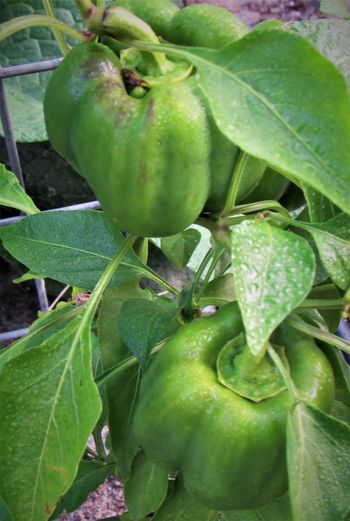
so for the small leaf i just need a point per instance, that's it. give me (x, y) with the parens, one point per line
(273, 272)
(91, 475)
(180, 506)
(49, 405)
(334, 251)
(278, 510)
(219, 291)
(318, 452)
(143, 323)
(122, 389)
(147, 487)
(180, 247)
(13, 195)
(72, 247)
(319, 207)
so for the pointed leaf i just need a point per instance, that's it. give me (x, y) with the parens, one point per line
(180, 506)
(91, 475)
(180, 247)
(147, 487)
(49, 404)
(318, 452)
(273, 272)
(72, 247)
(262, 95)
(143, 323)
(13, 195)
(332, 239)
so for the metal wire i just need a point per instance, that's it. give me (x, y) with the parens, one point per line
(15, 164)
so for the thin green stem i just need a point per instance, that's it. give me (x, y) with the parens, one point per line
(235, 184)
(260, 206)
(61, 42)
(37, 20)
(216, 257)
(322, 335)
(100, 448)
(86, 8)
(101, 4)
(93, 301)
(321, 303)
(285, 374)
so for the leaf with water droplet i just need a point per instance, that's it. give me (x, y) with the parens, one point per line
(262, 96)
(318, 453)
(332, 239)
(49, 405)
(273, 272)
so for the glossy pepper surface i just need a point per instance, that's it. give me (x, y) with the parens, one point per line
(211, 26)
(146, 159)
(230, 450)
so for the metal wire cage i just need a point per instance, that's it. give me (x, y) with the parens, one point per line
(15, 164)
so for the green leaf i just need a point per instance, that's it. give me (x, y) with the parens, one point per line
(332, 239)
(341, 404)
(262, 96)
(331, 37)
(49, 404)
(219, 291)
(25, 93)
(48, 324)
(147, 487)
(4, 513)
(91, 475)
(72, 247)
(273, 272)
(318, 452)
(12, 193)
(180, 247)
(335, 7)
(180, 506)
(319, 207)
(278, 510)
(122, 389)
(143, 323)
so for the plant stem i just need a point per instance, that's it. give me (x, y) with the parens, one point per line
(285, 374)
(321, 303)
(37, 20)
(260, 206)
(235, 184)
(324, 336)
(61, 42)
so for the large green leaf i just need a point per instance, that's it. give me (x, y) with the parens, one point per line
(261, 90)
(25, 93)
(273, 272)
(318, 452)
(49, 404)
(72, 247)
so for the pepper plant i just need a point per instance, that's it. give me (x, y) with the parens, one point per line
(228, 148)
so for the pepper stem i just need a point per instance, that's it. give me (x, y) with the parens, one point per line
(124, 26)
